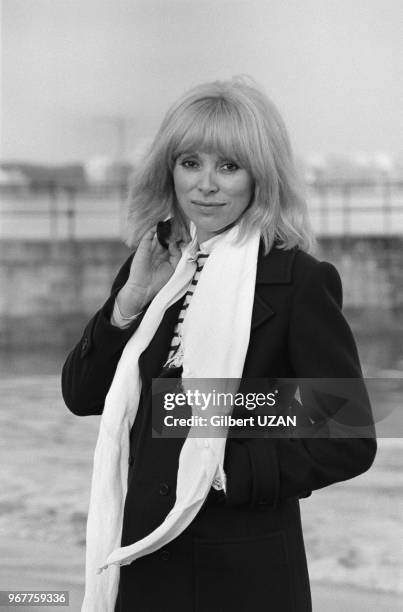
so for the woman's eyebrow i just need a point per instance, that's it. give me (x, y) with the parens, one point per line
(188, 152)
(221, 157)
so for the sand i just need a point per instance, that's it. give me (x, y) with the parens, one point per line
(353, 531)
(42, 566)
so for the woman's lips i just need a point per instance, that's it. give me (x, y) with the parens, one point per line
(208, 204)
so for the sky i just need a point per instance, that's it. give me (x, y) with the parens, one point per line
(86, 78)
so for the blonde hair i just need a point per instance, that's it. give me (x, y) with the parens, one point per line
(236, 119)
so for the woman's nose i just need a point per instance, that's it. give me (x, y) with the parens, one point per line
(207, 182)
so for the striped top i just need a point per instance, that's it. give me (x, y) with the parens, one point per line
(175, 355)
(199, 254)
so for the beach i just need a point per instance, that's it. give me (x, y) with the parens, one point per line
(44, 560)
(353, 530)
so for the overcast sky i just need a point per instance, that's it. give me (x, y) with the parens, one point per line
(81, 77)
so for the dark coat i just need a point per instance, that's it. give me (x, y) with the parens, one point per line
(243, 552)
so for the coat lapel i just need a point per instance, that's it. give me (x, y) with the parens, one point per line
(261, 311)
(275, 268)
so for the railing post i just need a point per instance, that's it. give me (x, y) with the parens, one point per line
(346, 208)
(386, 205)
(53, 212)
(71, 213)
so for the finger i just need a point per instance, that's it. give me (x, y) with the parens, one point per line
(159, 254)
(174, 249)
(149, 235)
(174, 255)
(158, 249)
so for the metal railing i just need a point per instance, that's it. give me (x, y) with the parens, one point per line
(359, 206)
(58, 212)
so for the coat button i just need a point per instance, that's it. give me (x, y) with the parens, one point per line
(165, 554)
(84, 344)
(164, 488)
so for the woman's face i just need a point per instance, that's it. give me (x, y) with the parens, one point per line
(211, 190)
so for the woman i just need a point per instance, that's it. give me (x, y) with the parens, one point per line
(226, 290)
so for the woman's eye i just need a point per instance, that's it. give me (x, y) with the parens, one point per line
(189, 163)
(229, 166)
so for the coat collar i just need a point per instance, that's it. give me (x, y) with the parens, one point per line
(274, 268)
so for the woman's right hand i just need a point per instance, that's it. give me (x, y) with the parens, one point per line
(152, 266)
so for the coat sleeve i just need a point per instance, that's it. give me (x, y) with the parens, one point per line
(89, 368)
(321, 345)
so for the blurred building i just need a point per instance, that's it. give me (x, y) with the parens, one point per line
(105, 170)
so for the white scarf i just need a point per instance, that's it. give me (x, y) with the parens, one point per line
(215, 339)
